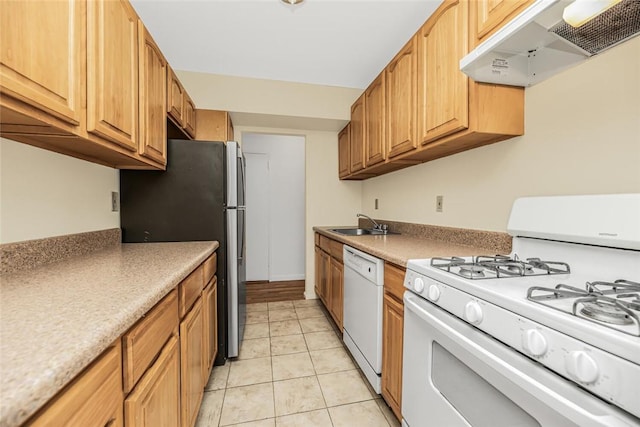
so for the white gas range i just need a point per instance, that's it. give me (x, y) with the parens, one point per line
(567, 298)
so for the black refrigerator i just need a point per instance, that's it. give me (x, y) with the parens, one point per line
(199, 197)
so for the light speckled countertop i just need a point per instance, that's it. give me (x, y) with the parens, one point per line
(57, 318)
(398, 248)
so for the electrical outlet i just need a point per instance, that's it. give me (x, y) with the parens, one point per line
(439, 203)
(376, 204)
(115, 201)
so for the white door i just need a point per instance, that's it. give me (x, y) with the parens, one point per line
(257, 201)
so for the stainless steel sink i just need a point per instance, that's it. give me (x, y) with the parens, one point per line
(360, 231)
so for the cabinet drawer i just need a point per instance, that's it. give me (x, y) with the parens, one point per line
(210, 267)
(190, 290)
(317, 239)
(325, 244)
(336, 250)
(394, 280)
(144, 341)
(94, 398)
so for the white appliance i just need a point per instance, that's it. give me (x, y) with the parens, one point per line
(538, 43)
(546, 336)
(362, 320)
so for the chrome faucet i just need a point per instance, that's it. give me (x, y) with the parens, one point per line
(376, 226)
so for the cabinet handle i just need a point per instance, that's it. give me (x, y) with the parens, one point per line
(110, 422)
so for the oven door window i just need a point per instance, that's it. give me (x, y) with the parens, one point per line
(472, 396)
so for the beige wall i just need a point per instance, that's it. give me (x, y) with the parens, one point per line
(44, 194)
(582, 136)
(328, 201)
(271, 97)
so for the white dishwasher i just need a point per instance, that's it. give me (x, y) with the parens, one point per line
(363, 291)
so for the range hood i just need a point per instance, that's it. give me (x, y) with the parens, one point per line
(538, 43)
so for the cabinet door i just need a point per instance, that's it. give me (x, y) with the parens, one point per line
(175, 97)
(374, 113)
(189, 116)
(210, 330)
(318, 271)
(443, 90)
(357, 136)
(155, 402)
(191, 362)
(493, 14)
(392, 331)
(42, 53)
(337, 295)
(153, 98)
(343, 151)
(112, 72)
(401, 103)
(94, 398)
(325, 279)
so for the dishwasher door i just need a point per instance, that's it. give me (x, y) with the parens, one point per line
(363, 293)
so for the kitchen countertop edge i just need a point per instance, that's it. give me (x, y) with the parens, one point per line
(24, 394)
(399, 248)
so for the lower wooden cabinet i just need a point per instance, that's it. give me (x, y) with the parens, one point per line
(210, 330)
(191, 366)
(155, 402)
(155, 373)
(92, 399)
(336, 294)
(392, 337)
(329, 277)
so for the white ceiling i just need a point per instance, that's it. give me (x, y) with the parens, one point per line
(329, 42)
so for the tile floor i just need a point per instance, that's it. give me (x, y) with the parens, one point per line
(292, 371)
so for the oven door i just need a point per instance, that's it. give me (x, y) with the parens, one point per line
(455, 375)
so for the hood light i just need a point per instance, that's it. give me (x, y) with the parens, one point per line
(582, 11)
(292, 2)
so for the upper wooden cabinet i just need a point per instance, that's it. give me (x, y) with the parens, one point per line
(356, 159)
(374, 122)
(175, 98)
(189, 116)
(78, 78)
(442, 87)
(112, 72)
(41, 56)
(401, 100)
(343, 151)
(487, 16)
(214, 125)
(153, 98)
(432, 108)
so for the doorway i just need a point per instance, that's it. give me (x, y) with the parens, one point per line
(275, 214)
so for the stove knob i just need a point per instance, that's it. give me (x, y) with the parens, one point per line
(433, 293)
(582, 367)
(534, 343)
(418, 285)
(473, 312)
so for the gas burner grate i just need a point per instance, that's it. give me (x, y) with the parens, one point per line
(498, 266)
(605, 303)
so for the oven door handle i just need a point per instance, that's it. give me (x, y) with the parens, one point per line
(546, 395)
